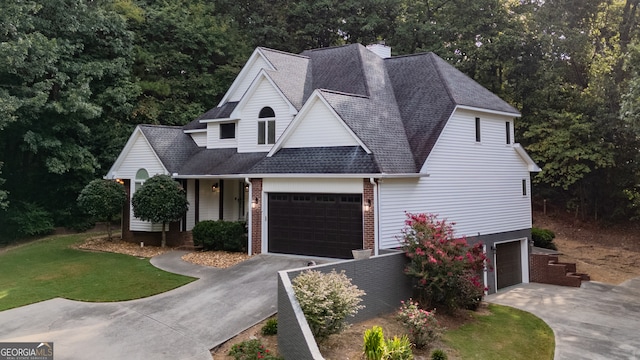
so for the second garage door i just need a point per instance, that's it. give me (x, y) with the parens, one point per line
(508, 264)
(327, 225)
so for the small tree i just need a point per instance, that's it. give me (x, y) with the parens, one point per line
(447, 269)
(160, 199)
(103, 199)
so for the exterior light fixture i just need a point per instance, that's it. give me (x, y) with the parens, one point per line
(120, 181)
(254, 203)
(367, 205)
(215, 187)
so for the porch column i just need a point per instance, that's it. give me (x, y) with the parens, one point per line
(256, 216)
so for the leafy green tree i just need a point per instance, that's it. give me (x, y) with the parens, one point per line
(160, 200)
(103, 199)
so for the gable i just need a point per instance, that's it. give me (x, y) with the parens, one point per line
(137, 154)
(243, 81)
(319, 126)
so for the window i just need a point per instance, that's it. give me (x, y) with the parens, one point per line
(524, 187)
(508, 132)
(141, 176)
(477, 129)
(267, 128)
(228, 131)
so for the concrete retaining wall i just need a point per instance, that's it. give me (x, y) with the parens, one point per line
(381, 277)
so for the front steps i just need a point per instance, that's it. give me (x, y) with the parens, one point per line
(546, 269)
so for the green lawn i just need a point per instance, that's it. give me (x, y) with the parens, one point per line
(50, 268)
(508, 334)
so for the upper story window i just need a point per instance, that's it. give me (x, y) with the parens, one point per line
(228, 131)
(478, 138)
(267, 127)
(141, 176)
(508, 132)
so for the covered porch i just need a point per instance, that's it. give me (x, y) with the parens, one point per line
(215, 199)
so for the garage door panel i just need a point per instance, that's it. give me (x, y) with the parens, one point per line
(315, 224)
(508, 264)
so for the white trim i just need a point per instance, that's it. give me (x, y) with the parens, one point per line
(484, 110)
(252, 88)
(243, 73)
(249, 218)
(485, 271)
(531, 165)
(264, 246)
(305, 175)
(229, 119)
(376, 215)
(315, 96)
(195, 131)
(111, 174)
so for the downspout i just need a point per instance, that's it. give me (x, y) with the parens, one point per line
(249, 222)
(376, 223)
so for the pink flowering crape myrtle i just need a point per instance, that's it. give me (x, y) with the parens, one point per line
(447, 270)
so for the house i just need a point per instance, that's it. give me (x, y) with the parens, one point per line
(324, 152)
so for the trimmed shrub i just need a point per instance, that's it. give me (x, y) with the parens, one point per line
(221, 235)
(398, 348)
(543, 238)
(270, 327)
(439, 354)
(326, 300)
(251, 350)
(423, 326)
(374, 347)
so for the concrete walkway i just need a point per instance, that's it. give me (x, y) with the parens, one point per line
(596, 321)
(180, 324)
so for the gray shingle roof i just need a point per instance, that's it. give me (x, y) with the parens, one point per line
(171, 144)
(318, 160)
(396, 106)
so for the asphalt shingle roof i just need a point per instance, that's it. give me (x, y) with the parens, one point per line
(171, 144)
(318, 160)
(396, 106)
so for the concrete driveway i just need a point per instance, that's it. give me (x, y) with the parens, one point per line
(180, 324)
(596, 321)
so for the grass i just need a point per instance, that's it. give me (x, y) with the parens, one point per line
(50, 268)
(507, 333)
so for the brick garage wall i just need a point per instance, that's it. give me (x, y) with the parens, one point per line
(368, 231)
(381, 277)
(256, 216)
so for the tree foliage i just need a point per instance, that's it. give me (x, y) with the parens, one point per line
(161, 200)
(103, 199)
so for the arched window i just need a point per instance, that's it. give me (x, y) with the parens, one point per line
(267, 127)
(141, 176)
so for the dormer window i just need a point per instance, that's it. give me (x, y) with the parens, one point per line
(228, 131)
(267, 126)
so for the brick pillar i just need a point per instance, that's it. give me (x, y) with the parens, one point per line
(368, 217)
(256, 216)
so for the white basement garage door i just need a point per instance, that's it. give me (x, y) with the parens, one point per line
(326, 225)
(508, 264)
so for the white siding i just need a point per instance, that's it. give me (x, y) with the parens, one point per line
(209, 200)
(200, 138)
(140, 156)
(191, 198)
(476, 185)
(246, 81)
(213, 138)
(328, 186)
(319, 127)
(247, 132)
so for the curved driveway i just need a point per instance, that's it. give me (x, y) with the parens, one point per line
(596, 321)
(180, 324)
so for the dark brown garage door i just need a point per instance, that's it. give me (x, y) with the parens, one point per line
(508, 264)
(328, 225)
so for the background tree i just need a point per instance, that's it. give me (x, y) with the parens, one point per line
(103, 199)
(160, 200)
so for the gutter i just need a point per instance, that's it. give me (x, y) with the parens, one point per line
(249, 219)
(305, 175)
(376, 215)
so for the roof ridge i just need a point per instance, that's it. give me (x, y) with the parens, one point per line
(409, 55)
(283, 52)
(162, 126)
(331, 47)
(363, 68)
(443, 81)
(343, 93)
